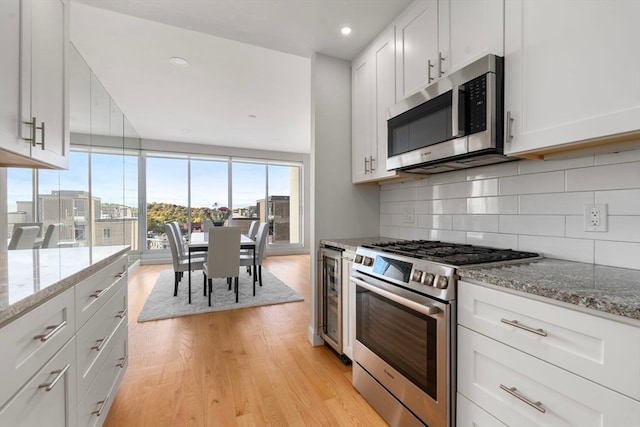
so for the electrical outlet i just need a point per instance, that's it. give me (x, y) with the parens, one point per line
(595, 217)
(409, 216)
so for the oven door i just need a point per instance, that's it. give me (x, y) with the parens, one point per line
(403, 341)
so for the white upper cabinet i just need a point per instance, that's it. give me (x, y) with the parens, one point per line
(33, 90)
(571, 73)
(436, 37)
(374, 91)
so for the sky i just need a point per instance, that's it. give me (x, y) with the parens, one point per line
(167, 181)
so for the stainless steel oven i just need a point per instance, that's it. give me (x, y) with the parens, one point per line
(405, 347)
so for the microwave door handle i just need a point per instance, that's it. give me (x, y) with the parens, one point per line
(457, 127)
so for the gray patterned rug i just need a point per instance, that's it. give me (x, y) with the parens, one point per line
(161, 304)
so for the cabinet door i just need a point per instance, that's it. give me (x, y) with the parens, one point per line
(417, 41)
(49, 398)
(571, 71)
(469, 30)
(385, 96)
(468, 414)
(10, 78)
(362, 116)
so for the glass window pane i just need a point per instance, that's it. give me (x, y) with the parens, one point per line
(284, 204)
(167, 197)
(107, 191)
(209, 192)
(131, 236)
(63, 197)
(248, 194)
(19, 197)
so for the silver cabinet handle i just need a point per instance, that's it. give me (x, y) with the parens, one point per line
(52, 331)
(366, 162)
(123, 361)
(99, 343)
(120, 275)
(371, 159)
(33, 126)
(97, 294)
(59, 374)
(122, 313)
(513, 392)
(42, 134)
(516, 324)
(509, 136)
(102, 404)
(429, 67)
(440, 61)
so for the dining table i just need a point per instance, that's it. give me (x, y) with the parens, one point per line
(199, 242)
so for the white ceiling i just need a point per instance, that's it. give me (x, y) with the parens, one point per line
(247, 57)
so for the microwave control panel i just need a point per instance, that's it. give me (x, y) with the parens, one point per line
(476, 93)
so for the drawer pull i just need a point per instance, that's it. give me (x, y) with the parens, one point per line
(99, 293)
(121, 274)
(515, 323)
(59, 374)
(99, 343)
(102, 404)
(123, 361)
(52, 331)
(122, 313)
(512, 391)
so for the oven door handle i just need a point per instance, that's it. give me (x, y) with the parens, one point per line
(425, 309)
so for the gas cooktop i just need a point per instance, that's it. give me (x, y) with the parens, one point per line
(450, 253)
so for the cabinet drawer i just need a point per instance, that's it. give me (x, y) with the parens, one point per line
(49, 398)
(603, 350)
(92, 292)
(95, 339)
(94, 407)
(32, 339)
(468, 414)
(492, 375)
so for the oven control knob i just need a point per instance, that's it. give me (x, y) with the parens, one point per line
(367, 261)
(415, 277)
(441, 282)
(428, 279)
(358, 259)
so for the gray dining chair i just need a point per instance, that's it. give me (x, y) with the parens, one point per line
(178, 257)
(51, 236)
(223, 260)
(247, 259)
(24, 237)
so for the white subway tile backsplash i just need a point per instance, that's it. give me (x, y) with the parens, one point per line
(580, 250)
(620, 157)
(555, 203)
(537, 225)
(620, 202)
(547, 182)
(610, 177)
(493, 205)
(442, 222)
(536, 166)
(618, 254)
(493, 240)
(527, 205)
(487, 223)
(448, 206)
(620, 228)
(492, 171)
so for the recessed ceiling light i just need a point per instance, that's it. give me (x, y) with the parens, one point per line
(179, 62)
(252, 116)
(185, 130)
(346, 31)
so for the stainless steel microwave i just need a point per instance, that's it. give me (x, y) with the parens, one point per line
(454, 123)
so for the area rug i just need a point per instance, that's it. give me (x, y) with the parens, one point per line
(161, 304)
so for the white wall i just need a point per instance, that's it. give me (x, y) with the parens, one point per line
(527, 205)
(338, 208)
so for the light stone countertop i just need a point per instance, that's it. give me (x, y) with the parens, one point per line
(29, 277)
(605, 289)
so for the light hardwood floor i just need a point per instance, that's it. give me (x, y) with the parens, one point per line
(246, 367)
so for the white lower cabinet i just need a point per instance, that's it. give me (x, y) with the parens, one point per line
(528, 362)
(471, 415)
(348, 305)
(48, 398)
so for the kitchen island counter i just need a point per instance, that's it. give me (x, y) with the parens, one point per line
(605, 289)
(30, 277)
(351, 244)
